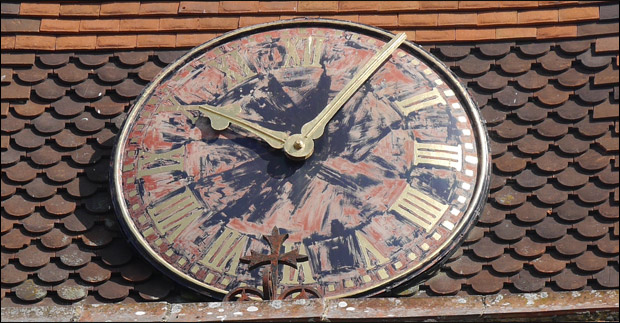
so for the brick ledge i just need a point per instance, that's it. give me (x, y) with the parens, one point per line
(580, 305)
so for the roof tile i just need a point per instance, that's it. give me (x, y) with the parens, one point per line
(551, 194)
(56, 239)
(136, 271)
(551, 128)
(591, 228)
(71, 73)
(59, 205)
(68, 106)
(572, 78)
(29, 109)
(108, 107)
(69, 138)
(79, 221)
(527, 281)
(608, 245)
(496, 49)
(534, 48)
(29, 291)
(117, 253)
(32, 75)
(571, 111)
(594, 61)
(607, 76)
(530, 247)
(552, 95)
(589, 261)
(90, 89)
(72, 291)
(13, 275)
(473, 65)
(40, 188)
(38, 223)
(548, 264)
(15, 91)
(21, 172)
(530, 180)
(148, 71)
(571, 144)
(81, 187)
(87, 122)
(27, 138)
(94, 272)
(442, 284)
(129, 88)
(54, 59)
(487, 283)
(508, 230)
(49, 90)
(531, 112)
(15, 239)
(97, 237)
(531, 145)
(592, 160)
(591, 193)
(12, 123)
(570, 246)
(34, 256)
(511, 97)
(608, 277)
(111, 73)
(530, 212)
(509, 163)
(48, 123)
(513, 64)
(570, 177)
(532, 80)
(554, 63)
(61, 172)
(570, 280)
(465, 266)
(75, 255)
(491, 214)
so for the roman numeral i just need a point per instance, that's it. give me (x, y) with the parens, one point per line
(290, 275)
(367, 250)
(225, 251)
(419, 208)
(421, 101)
(312, 50)
(150, 163)
(175, 213)
(438, 155)
(173, 106)
(235, 68)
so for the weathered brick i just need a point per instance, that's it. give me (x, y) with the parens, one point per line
(597, 28)
(435, 35)
(606, 44)
(238, 6)
(192, 40)
(178, 23)
(200, 7)
(158, 40)
(555, 3)
(352, 18)
(8, 42)
(399, 6)
(116, 41)
(76, 42)
(357, 6)
(556, 32)
(139, 24)
(99, 25)
(497, 18)
(79, 9)
(410, 34)
(439, 5)
(317, 6)
(609, 11)
(119, 8)
(39, 9)
(478, 4)
(13, 25)
(286, 17)
(518, 4)
(418, 19)
(537, 16)
(475, 34)
(513, 33)
(9, 8)
(159, 8)
(379, 20)
(218, 23)
(457, 19)
(245, 21)
(579, 13)
(60, 25)
(277, 6)
(35, 42)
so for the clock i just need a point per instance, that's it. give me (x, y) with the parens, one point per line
(359, 145)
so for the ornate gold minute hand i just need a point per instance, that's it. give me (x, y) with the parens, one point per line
(221, 118)
(301, 146)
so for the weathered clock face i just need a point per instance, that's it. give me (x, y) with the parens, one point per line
(398, 176)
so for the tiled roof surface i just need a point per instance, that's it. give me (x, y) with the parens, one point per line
(551, 106)
(551, 221)
(170, 24)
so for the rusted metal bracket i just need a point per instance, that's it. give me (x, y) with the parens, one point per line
(271, 274)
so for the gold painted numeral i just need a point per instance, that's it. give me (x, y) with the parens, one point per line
(421, 101)
(438, 155)
(155, 163)
(313, 48)
(419, 208)
(174, 106)
(174, 214)
(368, 249)
(234, 67)
(226, 249)
(290, 275)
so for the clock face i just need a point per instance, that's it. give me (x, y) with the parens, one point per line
(393, 183)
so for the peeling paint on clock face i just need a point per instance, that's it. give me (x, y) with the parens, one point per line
(385, 192)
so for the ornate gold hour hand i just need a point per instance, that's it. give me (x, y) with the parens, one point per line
(301, 146)
(222, 117)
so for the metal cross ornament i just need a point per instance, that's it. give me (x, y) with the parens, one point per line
(271, 272)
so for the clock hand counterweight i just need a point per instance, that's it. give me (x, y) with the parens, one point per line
(301, 146)
(220, 120)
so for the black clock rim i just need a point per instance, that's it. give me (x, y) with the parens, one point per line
(412, 276)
